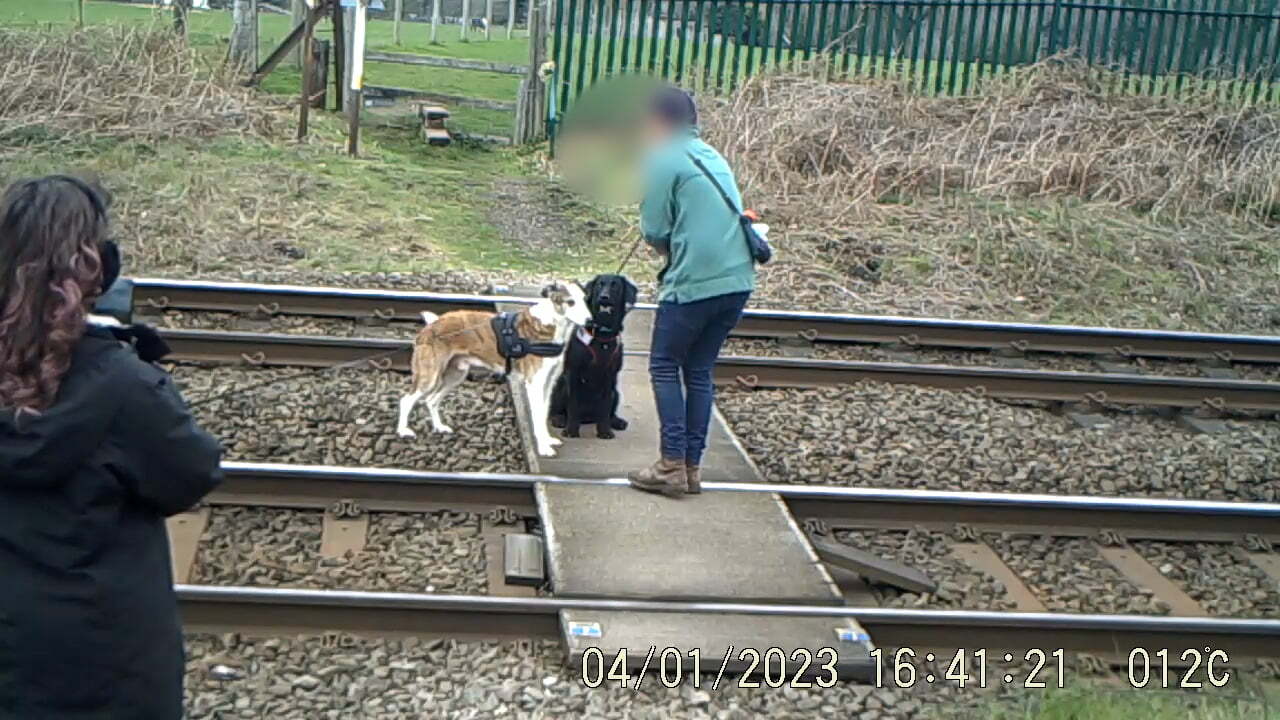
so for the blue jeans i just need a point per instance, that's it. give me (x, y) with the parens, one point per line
(686, 341)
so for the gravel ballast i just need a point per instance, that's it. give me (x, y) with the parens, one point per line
(879, 435)
(348, 417)
(440, 552)
(302, 679)
(1219, 577)
(959, 586)
(1068, 575)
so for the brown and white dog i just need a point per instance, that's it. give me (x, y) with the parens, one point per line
(457, 341)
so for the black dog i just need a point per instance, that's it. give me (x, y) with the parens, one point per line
(587, 391)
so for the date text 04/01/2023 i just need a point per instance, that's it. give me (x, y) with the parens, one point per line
(772, 667)
(1037, 668)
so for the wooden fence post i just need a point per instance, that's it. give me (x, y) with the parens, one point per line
(488, 19)
(257, 33)
(533, 92)
(181, 8)
(466, 19)
(80, 13)
(395, 25)
(308, 60)
(356, 101)
(298, 13)
(435, 19)
(512, 5)
(339, 57)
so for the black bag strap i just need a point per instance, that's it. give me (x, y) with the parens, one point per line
(720, 188)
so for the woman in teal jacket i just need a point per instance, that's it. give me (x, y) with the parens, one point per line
(707, 280)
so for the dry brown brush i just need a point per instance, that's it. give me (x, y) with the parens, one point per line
(1046, 130)
(135, 83)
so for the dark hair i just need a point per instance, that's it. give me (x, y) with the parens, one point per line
(51, 230)
(675, 106)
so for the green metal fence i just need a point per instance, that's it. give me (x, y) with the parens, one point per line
(941, 46)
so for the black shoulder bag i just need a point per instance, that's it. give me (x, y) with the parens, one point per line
(758, 246)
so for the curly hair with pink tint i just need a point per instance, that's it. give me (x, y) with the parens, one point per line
(51, 230)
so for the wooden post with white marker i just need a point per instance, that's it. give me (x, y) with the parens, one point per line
(359, 29)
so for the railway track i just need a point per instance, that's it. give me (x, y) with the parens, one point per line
(391, 490)
(393, 305)
(277, 611)
(273, 349)
(508, 497)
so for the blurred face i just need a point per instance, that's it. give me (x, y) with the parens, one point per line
(656, 129)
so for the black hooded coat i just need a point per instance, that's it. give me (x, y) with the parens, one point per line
(89, 624)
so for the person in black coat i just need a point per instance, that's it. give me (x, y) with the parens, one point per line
(96, 449)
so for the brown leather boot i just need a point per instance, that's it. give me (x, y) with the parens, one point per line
(665, 476)
(694, 475)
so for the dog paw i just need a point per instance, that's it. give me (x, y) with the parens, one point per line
(619, 424)
(406, 433)
(556, 442)
(572, 432)
(444, 430)
(557, 421)
(547, 451)
(605, 434)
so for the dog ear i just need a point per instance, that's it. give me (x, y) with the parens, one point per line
(548, 289)
(633, 293)
(589, 289)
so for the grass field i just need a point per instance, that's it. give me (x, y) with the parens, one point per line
(1102, 701)
(210, 29)
(233, 202)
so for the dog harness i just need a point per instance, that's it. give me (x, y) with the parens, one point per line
(513, 347)
(609, 344)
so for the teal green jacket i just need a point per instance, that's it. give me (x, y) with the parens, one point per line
(684, 215)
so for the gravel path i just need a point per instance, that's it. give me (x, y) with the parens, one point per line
(1219, 577)
(879, 435)
(301, 679)
(1068, 575)
(348, 417)
(441, 552)
(959, 586)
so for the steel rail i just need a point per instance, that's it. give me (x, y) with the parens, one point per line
(263, 349)
(758, 323)
(294, 611)
(394, 490)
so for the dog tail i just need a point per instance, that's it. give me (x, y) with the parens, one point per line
(429, 317)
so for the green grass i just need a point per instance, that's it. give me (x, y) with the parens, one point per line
(1095, 701)
(219, 206)
(210, 29)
